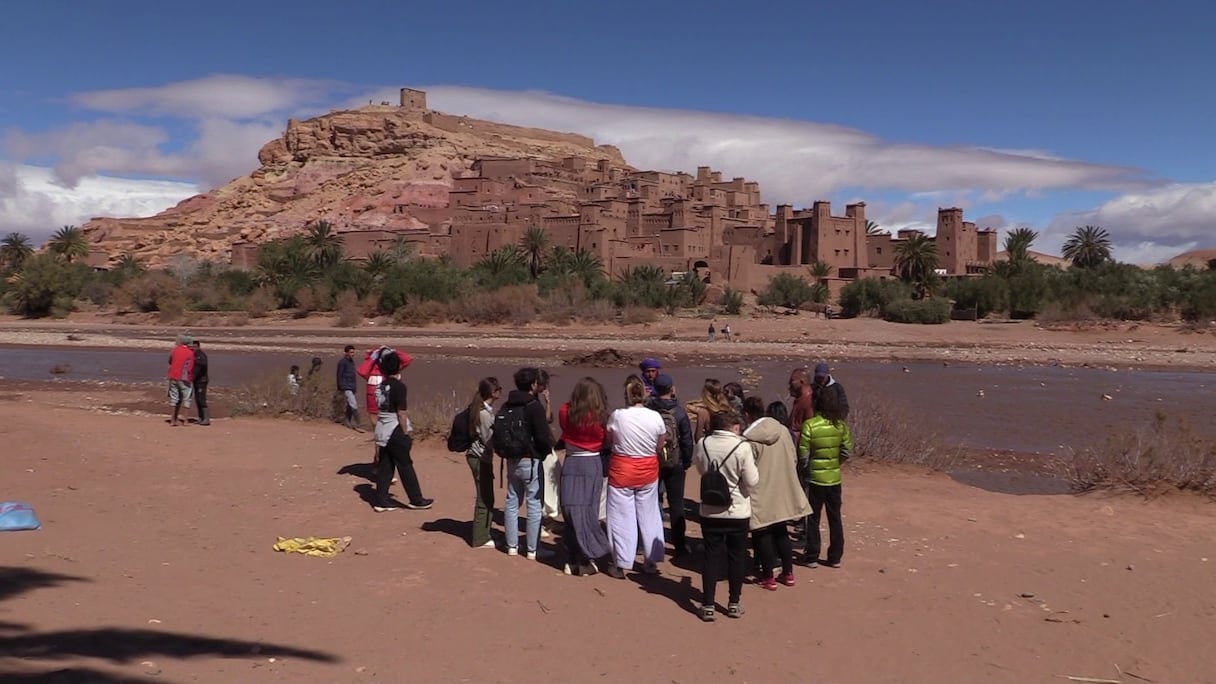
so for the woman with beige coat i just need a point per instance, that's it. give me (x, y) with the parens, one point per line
(778, 498)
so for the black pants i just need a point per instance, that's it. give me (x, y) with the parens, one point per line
(673, 480)
(821, 496)
(773, 543)
(397, 454)
(200, 398)
(725, 554)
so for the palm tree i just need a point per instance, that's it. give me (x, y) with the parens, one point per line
(379, 263)
(873, 228)
(402, 250)
(130, 265)
(820, 271)
(587, 265)
(69, 242)
(1087, 247)
(324, 245)
(501, 261)
(1018, 242)
(14, 250)
(915, 260)
(534, 244)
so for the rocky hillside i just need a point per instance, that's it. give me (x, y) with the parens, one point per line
(378, 167)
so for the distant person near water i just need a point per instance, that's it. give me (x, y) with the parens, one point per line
(181, 378)
(712, 331)
(200, 380)
(347, 383)
(826, 384)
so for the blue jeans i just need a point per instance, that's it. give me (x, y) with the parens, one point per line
(523, 482)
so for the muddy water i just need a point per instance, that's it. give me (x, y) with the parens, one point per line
(1028, 409)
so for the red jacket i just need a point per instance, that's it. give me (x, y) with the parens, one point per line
(181, 363)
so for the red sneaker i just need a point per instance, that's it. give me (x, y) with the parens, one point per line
(787, 580)
(770, 584)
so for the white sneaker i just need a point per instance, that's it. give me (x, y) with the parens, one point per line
(566, 570)
(512, 551)
(531, 555)
(488, 545)
(545, 534)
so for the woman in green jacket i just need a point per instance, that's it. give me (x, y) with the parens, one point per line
(819, 445)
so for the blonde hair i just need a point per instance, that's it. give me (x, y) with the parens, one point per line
(635, 391)
(714, 398)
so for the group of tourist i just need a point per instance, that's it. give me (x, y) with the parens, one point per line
(762, 468)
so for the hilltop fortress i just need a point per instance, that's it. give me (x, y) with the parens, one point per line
(464, 187)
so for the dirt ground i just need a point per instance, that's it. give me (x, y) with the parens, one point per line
(154, 564)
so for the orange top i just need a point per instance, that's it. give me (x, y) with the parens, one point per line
(632, 471)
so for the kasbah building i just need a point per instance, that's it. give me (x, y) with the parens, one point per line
(719, 228)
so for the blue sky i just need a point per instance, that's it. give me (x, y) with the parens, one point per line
(1048, 114)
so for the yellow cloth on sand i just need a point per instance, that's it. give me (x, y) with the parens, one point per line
(313, 546)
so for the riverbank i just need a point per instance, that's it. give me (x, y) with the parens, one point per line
(155, 564)
(760, 336)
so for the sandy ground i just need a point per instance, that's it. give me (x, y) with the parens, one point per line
(756, 336)
(155, 565)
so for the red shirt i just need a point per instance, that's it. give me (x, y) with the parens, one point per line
(587, 435)
(802, 411)
(181, 363)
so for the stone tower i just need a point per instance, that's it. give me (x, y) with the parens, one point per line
(413, 99)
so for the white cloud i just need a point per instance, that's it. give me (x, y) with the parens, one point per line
(228, 96)
(794, 161)
(1150, 226)
(86, 148)
(34, 202)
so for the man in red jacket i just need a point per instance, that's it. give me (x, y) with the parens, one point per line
(181, 377)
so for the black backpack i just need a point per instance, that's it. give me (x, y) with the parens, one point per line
(459, 438)
(670, 456)
(512, 435)
(715, 490)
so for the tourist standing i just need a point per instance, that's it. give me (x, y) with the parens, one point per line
(347, 384)
(181, 378)
(676, 456)
(522, 437)
(734, 394)
(824, 383)
(293, 380)
(726, 332)
(819, 449)
(200, 383)
(583, 421)
(637, 435)
(393, 435)
(480, 459)
(778, 498)
(802, 392)
(713, 400)
(650, 370)
(724, 526)
(712, 331)
(551, 467)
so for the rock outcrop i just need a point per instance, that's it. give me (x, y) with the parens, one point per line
(375, 168)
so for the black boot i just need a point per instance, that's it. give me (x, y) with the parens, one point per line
(204, 417)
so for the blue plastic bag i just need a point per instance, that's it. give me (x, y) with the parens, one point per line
(17, 516)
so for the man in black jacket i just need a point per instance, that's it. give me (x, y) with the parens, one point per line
(672, 476)
(824, 382)
(347, 384)
(522, 437)
(200, 381)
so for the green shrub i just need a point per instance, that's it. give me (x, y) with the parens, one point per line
(870, 296)
(45, 286)
(150, 291)
(923, 311)
(985, 295)
(732, 302)
(786, 290)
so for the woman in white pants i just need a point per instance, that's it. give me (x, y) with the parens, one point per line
(637, 435)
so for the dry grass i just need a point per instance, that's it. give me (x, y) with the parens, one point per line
(1156, 458)
(432, 418)
(421, 312)
(885, 433)
(270, 395)
(515, 304)
(350, 311)
(634, 315)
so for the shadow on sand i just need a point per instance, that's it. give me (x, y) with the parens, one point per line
(34, 650)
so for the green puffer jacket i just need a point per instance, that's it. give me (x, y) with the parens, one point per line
(820, 443)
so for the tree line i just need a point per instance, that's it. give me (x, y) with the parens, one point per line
(310, 272)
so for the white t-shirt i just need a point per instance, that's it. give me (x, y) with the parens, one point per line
(635, 431)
